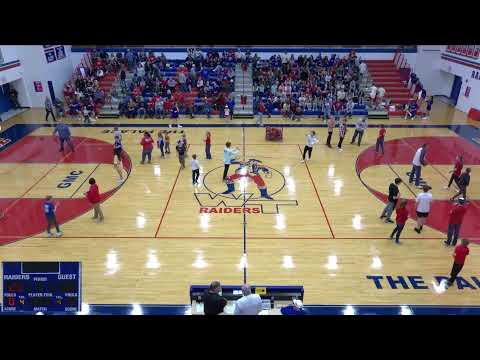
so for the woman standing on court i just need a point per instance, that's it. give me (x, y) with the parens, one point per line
(342, 131)
(208, 144)
(181, 151)
(147, 144)
(93, 195)
(424, 201)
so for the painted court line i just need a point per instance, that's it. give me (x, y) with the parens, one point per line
(318, 197)
(169, 197)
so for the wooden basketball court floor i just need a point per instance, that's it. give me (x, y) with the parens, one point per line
(160, 234)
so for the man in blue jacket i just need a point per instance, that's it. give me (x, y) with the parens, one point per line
(64, 135)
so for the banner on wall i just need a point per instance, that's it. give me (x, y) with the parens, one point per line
(60, 52)
(38, 86)
(50, 55)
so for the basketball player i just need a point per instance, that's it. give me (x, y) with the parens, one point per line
(360, 128)
(456, 172)
(417, 163)
(311, 140)
(423, 201)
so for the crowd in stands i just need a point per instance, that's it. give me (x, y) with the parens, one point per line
(199, 84)
(84, 92)
(292, 86)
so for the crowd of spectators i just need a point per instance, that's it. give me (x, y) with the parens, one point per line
(292, 86)
(85, 92)
(202, 83)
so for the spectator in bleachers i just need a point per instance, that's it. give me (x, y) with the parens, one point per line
(248, 304)
(213, 302)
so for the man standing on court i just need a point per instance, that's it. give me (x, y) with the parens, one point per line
(393, 195)
(360, 127)
(459, 255)
(455, 222)
(331, 126)
(227, 158)
(417, 162)
(463, 182)
(64, 135)
(310, 141)
(248, 304)
(49, 109)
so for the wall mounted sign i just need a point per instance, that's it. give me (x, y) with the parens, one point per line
(50, 55)
(38, 86)
(60, 52)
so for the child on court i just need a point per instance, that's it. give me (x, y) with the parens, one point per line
(86, 115)
(459, 255)
(49, 210)
(381, 139)
(208, 144)
(167, 143)
(195, 169)
(161, 143)
(456, 172)
(401, 219)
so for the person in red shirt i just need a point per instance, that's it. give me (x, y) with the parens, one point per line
(147, 144)
(380, 139)
(456, 172)
(460, 253)
(456, 217)
(401, 219)
(208, 144)
(93, 195)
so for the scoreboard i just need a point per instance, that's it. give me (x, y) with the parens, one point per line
(41, 287)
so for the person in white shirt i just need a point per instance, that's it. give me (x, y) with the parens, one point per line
(195, 169)
(417, 162)
(248, 304)
(360, 128)
(381, 94)
(363, 68)
(423, 202)
(229, 155)
(310, 141)
(373, 94)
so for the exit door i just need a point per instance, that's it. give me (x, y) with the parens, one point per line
(456, 87)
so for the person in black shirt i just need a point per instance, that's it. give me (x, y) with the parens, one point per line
(213, 302)
(393, 195)
(463, 182)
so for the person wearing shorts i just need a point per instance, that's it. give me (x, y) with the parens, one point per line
(423, 203)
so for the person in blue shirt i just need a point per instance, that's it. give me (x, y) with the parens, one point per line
(49, 211)
(296, 308)
(231, 105)
(63, 131)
